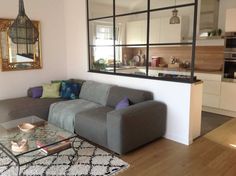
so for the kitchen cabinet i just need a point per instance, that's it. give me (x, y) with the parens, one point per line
(136, 32)
(170, 33)
(211, 89)
(155, 33)
(230, 24)
(228, 96)
(161, 31)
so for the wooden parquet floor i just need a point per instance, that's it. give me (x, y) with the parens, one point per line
(211, 155)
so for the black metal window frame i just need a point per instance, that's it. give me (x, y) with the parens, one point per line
(190, 80)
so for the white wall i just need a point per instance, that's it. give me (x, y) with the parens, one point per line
(51, 15)
(177, 96)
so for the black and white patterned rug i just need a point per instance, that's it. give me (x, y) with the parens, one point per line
(92, 161)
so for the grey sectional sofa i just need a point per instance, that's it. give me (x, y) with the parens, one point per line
(94, 117)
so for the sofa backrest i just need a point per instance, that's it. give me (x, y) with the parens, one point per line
(116, 94)
(95, 92)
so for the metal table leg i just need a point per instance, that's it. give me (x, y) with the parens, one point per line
(73, 158)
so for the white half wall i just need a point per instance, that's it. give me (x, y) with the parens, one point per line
(51, 15)
(177, 96)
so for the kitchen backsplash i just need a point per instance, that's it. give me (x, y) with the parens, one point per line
(207, 57)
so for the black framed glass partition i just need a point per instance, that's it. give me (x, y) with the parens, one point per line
(138, 38)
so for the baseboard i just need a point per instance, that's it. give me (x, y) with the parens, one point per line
(219, 111)
(178, 139)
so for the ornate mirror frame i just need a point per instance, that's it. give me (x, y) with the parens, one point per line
(8, 57)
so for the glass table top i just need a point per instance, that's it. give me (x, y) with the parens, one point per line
(45, 133)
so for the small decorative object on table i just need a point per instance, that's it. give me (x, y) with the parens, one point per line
(19, 146)
(26, 127)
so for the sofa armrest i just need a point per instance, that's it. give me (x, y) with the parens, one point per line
(135, 126)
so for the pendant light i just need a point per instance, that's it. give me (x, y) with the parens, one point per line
(175, 19)
(23, 31)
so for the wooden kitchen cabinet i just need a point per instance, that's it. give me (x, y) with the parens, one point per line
(228, 96)
(230, 25)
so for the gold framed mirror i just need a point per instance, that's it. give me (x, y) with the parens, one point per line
(14, 57)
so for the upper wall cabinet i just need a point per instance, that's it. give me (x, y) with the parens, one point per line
(209, 13)
(230, 25)
(163, 32)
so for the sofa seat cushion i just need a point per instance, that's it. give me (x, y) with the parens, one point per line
(91, 125)
(62, 114)
(12, 109)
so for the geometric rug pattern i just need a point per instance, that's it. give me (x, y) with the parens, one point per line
(92, 161)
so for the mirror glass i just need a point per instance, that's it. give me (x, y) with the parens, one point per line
(100, 8)
(132, 29)
(18, 56)
(156, 4)
(209, 13)
(101, 32)
(161, 31)
(102, 58)
(130, 6)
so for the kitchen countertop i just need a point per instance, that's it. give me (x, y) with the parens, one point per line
(218, 72)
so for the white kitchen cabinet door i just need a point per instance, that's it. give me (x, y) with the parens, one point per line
(211, 100)
(169, 33)
(228, 96)
(155, 26)
(212, 87)
(230, 25)
(136, 32)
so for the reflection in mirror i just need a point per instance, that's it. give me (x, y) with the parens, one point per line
(130, 6)
(100, 8)
(132, 29)
(101, 32)
(209, 14)
(161, 31)
(102, 58)
(169, 61)
(18, 56)
(131, 60)
(155, 4)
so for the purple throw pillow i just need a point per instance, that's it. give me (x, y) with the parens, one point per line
(124, 103)
(36, 92)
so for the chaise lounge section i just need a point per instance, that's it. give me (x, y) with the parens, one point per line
(94, 115)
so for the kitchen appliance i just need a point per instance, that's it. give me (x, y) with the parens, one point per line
(229, 73)
(230, 42)
(230, 66)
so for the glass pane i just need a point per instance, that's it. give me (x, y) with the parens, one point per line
(129, 6)
(102, 59)
(131, 60)
(161, 31)
(155, 4)
(100, 8)
(170, 62)
(101, 32)
(132, 29)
